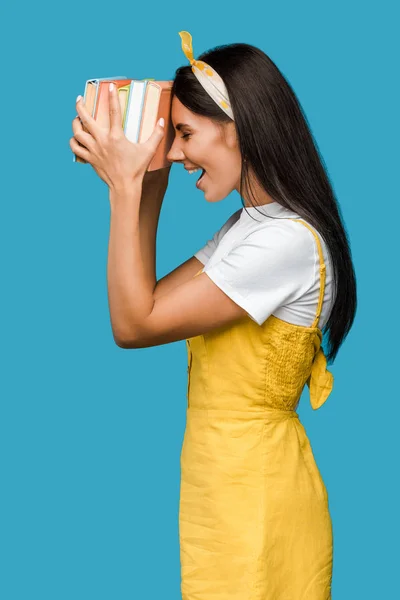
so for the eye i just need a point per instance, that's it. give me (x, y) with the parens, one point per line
(185, 136)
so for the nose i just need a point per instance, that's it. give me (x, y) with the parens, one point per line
(175, 153)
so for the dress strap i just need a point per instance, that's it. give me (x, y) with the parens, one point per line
(320, 381)
(322, 271)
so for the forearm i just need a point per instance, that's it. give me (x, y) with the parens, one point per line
(130, 280)
(154, 187)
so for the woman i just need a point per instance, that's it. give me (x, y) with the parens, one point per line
(254, 519)
(254, 516)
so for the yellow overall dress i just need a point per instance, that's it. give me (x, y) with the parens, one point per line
(254, 521)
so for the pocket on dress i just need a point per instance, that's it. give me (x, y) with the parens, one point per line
(310, 462)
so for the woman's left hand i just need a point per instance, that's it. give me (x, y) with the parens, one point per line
(115, 159)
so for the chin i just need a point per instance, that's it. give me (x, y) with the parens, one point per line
(212, 199)
(215, 195)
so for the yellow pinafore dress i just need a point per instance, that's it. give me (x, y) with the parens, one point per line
(254, 521)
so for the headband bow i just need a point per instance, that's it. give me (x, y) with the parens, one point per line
(207, 76)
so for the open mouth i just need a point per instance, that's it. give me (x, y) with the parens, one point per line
(201, 176)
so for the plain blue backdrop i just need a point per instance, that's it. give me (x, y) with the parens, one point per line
(90, 434)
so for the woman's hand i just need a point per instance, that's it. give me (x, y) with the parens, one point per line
(115, 159)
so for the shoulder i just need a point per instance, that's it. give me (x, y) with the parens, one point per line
(285, 237)
(229, 222)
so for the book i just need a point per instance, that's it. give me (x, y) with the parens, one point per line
(90, 98)
(142, 102)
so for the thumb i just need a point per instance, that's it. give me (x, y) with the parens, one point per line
(156, 137)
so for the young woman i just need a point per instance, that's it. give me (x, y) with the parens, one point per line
(254, 518)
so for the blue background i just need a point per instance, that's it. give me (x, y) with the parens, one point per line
(90, 434)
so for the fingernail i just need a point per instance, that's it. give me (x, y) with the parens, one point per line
(111, 87)
(78, 98)
(161, 122)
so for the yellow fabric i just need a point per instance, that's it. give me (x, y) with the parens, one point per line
(207, 76)
(254, 521)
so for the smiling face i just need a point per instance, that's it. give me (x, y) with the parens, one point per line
(209, 146)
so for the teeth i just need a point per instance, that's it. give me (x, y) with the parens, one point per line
(193, 170)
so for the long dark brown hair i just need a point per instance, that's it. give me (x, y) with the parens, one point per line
(274, 137)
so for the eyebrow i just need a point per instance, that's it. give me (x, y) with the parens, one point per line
(181, 125)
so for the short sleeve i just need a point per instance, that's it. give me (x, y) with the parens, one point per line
(269, 268)
(205, 253)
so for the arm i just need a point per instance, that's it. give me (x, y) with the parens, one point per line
(155, 184)
(139, 319)
(153, 190)
(181, 274)
(131, 278)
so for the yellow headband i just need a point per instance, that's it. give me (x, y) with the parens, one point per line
(207, 76)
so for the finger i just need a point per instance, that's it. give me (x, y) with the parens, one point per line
(81, 135)
(115, 110)
(76, 125)
(155, 139)
(86, 119)
(85, 139)
(79, 150)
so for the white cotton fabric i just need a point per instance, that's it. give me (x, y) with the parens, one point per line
(269, 265)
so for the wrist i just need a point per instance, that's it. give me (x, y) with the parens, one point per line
(125, 193)
(125, 186)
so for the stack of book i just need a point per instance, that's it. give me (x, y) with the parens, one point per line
(142, 102)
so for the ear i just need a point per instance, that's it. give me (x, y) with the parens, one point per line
(230, 134)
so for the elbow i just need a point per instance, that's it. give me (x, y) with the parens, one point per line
(132, 337)
(124, 345)
(125, 341)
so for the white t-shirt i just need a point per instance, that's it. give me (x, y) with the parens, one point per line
(269, 265)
